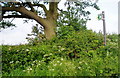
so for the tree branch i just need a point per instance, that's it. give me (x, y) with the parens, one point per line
(17, 16)
(28, 13)
(10, 8)
(53, 10)
(53, 6)
(22, 10)
(31, 6)
(60, 9)
(42, 6)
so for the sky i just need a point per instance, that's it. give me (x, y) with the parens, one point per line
(18, 35)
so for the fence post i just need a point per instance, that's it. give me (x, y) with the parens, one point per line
(104, 27)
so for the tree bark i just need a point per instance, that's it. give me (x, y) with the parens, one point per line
(49, 25)
(50, 29)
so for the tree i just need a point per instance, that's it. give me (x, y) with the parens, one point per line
(37, 33)
(31, 10)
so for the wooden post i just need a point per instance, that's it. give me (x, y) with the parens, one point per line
(104, 27)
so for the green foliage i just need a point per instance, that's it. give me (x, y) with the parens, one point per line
(37, 32)
(72, 53)
(75, 51)
(6, 24)
(21, 56)
(76, 14)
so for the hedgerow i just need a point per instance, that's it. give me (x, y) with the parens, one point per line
(71, 53)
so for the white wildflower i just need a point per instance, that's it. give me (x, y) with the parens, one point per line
(80, 62)
(27, 49)
(60, 63)
(62, 49)
(59, 46)
(79, 67)
(24, 70)
(11, 61)
(51, 69)
(33, 61)
(50, 54)
(55, 64)
(62, 59)
(9, 48)
(29, 69)
(45, 55)
(17, 61)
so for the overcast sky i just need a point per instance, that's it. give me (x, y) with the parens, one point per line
(18, 34)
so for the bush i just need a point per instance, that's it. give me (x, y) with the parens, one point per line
(71, 53)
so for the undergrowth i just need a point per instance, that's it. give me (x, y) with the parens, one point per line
(71, 53)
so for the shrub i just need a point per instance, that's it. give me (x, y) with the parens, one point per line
(71, 53)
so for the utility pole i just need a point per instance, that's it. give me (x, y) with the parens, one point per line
(104, 27)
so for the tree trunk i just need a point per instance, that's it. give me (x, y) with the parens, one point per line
(50, 29)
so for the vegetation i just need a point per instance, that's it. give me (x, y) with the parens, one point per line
(72, 53)
(67, 48)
